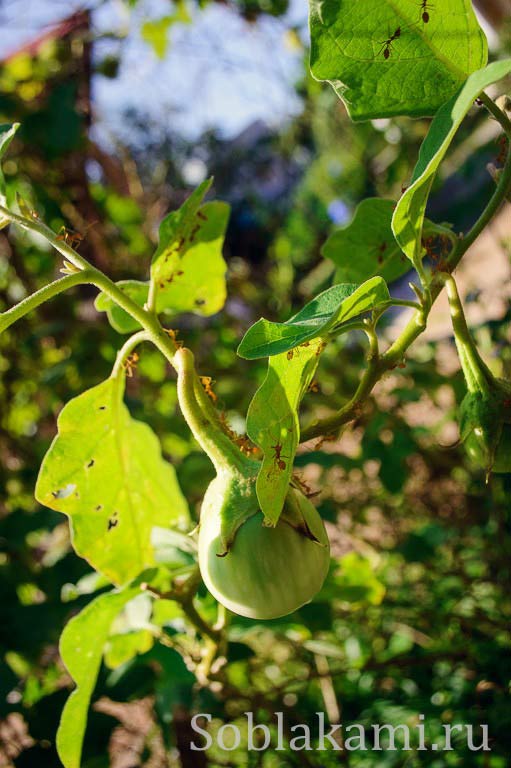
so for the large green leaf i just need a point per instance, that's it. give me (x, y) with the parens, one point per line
(272, 422)
(412, 74)
(188, 269)
(106, 472)
(117, 317)
(366, 247)
(410, 211)
(334, 306)
(81, 649)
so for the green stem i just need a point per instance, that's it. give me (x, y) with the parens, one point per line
(477, 374)
(197, 408)
(201, 416)
(417, 324)
(33, 301)
(126, 350)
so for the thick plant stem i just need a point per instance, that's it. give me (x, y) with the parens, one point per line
(201, 416)
(417, 324)
(477, 374)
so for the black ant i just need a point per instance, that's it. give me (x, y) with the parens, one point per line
(425, 7)
(387, 44)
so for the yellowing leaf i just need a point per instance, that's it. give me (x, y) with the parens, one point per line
(105, 471)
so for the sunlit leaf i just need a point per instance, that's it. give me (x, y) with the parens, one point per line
(105, 471)
(188, 269)
(335, 305)
(383, 59)
(410, 211)
(272, 422)
(81, 649)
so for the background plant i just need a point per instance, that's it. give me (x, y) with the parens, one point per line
(348, 631)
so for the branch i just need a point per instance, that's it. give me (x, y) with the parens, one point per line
(417, 324)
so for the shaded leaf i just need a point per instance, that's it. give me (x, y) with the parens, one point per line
(409, 215)
(105, 471)
(81, 649)
(117, 317)
(7, 132)
(366, 246)
(272, 422)
(336, 305)
(383, 60)
(188, 269)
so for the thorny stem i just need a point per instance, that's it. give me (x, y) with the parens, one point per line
(417, 324)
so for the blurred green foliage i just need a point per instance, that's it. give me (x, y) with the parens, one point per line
(414, 617)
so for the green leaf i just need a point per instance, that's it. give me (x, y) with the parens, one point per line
(409, 215)
(366, 246)
(188, 269)
(105, 471)
(335, 305)
(155, 33)
(357, 582)
(272, 422)
(117, 317)
(7, 133)
(81, 649)
(414, 73)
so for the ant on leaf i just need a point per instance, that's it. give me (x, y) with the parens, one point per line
(278, 457)
(387, 44)
(425, 8)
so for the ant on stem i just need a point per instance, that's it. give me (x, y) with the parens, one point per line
(71, 237)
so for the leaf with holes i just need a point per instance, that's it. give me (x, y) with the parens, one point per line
(336, 305)
(408, 219)
(272, 422)
(366, 247)
(81, 649)
(188, 269)
(386, 58)
(106, 472)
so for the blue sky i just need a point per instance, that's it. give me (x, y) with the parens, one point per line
(220, 72)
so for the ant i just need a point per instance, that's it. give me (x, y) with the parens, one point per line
(277, 455)
(425, 7)
(173, 335)
(130, 364)
(71, 237)
(207, 382)
(381, 250)
(502, 142)
(387, 44)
